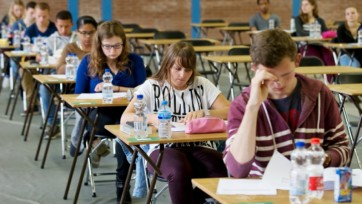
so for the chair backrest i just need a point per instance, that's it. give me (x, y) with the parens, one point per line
(237, 24)
(309, 61)
(196, 42)
(213, 21)
(144, 30)
(131, 25)
(338, 23)
(349, 78)
(170, 35)
(239, 51)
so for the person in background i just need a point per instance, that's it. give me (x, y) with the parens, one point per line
(261, 20)
(280, 108)
(348, 33)
(110, 49)
(308, 15)
(55, 44)
(42, 27)
(28, 19)
(16, 12)
(190, 96)
(86, 28)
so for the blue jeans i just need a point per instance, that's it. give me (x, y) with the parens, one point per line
(46, 97)
(140, 188)
(346, 60)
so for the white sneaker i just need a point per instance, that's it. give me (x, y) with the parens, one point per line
(6, 82)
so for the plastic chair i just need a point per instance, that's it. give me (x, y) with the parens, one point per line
(131, 25)
(136, 47)
(236, 81)
(156, 193)
(170, 35)
(309, 61)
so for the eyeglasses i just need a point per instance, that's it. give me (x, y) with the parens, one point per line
(85, 33)
(115, 46)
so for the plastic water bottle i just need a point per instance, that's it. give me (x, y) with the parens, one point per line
(312, 30)
(298, 193)
(69, 68)
(292, 25)
(271, 24)
(75, 62)
(318, 30)
(140, 118)
(26, 44)
(359, 37)
(44, 54)
(4, 32)
(107, 89)
(164, 121)
(16, 38)
(315, 169)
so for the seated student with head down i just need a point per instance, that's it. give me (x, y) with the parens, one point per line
(110, 50)
(348, 33)
(280, 108)
(188, 95)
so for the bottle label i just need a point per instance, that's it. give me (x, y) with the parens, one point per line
(316, 183)
(298, 187)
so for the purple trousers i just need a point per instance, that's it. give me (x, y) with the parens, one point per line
(180, 165)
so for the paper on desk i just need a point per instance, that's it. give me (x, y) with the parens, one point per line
(59, 76)
(178, 127)
(357, 177)
(277, 172)
(99, 95)
(245, 187)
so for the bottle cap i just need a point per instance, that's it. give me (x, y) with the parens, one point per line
(299, 144)
(107, 70)
(164, 103)
(315, 141)
(139, 97)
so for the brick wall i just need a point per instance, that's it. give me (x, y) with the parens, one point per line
(176, 14)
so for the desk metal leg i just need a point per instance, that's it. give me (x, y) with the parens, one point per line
(30, 105)
(154, 179)
(31, 109)
(355, 142)
(129, 175)
(12, 92)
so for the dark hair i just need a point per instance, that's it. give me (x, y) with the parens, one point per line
(271, 46)
(86, 20)
(30, 4)
(182, 52)
(258, 2)
(63, 15)
(43, 6)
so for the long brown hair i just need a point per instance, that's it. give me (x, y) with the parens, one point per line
(98, 60)
(305, 17)
(181, 52)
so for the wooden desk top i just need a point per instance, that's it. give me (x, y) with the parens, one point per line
(209, 186)
(127, 30)
(27, 65)
(140, 35)
(216, 48)
(328, 70)
(20, 54)
(171, 41)
(8, 47)
(177, 137)
(52, 79)
(348, 89)
(235, 28)
(72, 100)
(228, 58)
(309, 39)
(208, 25)
(343, 45)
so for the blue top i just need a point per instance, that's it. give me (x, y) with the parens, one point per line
(33, 31)
(19, 25)
(86, 83)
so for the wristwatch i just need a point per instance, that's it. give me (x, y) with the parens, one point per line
(327, 160)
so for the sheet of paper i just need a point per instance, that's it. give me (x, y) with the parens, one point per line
(59, 76)
(244, 187)
(99, 95)
(357, 177)
(277, 172)
(178, 127)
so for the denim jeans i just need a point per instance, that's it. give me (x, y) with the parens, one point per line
(140, 188)
(46, 97)
(346, 60)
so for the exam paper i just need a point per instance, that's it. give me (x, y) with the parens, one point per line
(277, 172)
(59, 76)
(99, 95)
(178, 127)
(244, 187)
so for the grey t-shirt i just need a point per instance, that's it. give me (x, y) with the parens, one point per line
(261, 24)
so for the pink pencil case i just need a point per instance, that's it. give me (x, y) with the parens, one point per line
(205, 125)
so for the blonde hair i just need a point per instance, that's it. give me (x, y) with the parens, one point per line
(12, 17)
(98, 59)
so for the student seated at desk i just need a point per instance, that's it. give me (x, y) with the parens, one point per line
(261, 20)
(348, 33)
(188, 95)
(110, 50)
(280, 108)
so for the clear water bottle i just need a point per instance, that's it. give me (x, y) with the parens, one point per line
(75, 62)
(359, 37)
(271, 24)
(140, 118)
(292, 25)
(44, 54)
(312, 30)
(107, 88)
(4, 32)
(298, 193)
(26, 44)
(315, 169)
(16, 38)
(318, 30)
(129, 94)
(69, 68)
(164, 121)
